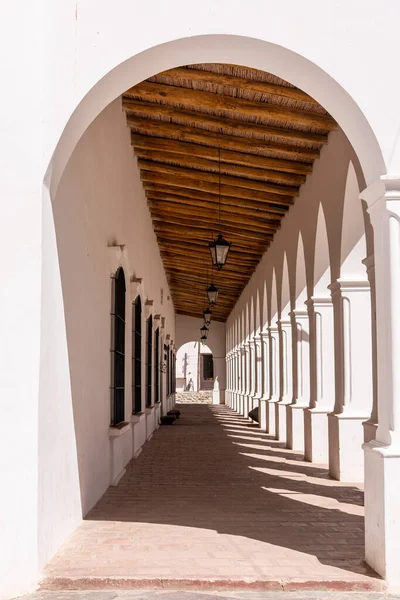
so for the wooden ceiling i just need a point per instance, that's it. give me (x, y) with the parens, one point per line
(260, 131)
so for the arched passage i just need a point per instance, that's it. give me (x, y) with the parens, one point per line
(293, 67)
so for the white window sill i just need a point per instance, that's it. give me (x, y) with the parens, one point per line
(119, 430)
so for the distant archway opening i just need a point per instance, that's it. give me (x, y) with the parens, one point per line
(194, 368)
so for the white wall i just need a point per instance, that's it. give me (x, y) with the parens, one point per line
(99, 201)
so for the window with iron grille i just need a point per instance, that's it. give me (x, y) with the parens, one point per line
(118, 349)
(157, 365)
(137, 355)
(149, 359)
(168, 373)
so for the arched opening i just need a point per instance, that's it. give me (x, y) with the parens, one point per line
(180, 290)
(194, 373)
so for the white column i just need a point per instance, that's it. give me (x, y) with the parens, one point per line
(286, 379)
(322, 379)
(301, 379)
(258, 369)
(265, 379)
(371, 424)
(382, 455)
(274, 380)
(353, 374)
(242, 378)
(247, 366)
(253, 374)
(228, 379)
(235, 379)
(219, 380)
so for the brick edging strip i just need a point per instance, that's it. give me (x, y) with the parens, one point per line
(284, 585)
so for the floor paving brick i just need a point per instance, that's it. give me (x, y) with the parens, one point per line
(212, 498)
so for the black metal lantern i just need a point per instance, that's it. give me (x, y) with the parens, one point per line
(204, 332)
(212, 294)
(219, 249)
(203, 339)
(207, 316)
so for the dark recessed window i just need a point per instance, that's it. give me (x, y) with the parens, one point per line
(149, 360)
(118, 349)
(157, 365)
(137, 355)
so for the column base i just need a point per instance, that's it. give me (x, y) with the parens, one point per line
(382, 515)
(281, 423)
(245, 412)
(370, 428)
(346, 457)
(295, 427)
(271, 417)
(263, 414)
(316, 436)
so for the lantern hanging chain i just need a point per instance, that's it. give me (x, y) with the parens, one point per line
(219, 188)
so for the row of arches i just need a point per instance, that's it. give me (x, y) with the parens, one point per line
(302, 334)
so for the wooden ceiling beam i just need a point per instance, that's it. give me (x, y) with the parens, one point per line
(262, 87)
(223, 125)
(170, 239)
(211, 166)
(145, 142)
(191, 314)
(206, 101)
(213, 188)
(188, 229)
(156, 191)
(161, 129)
(237, 181)
(239, 221)
(174, 251)
(188, 263)
(211, 210)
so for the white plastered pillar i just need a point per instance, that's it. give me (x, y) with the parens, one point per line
(247, 388)
(242, 392)
(235, 379)
(301, 380)
(265, 379)
(371, 424)
(274, 380)
(286, 379)
(258, 369)
(382, 455)
(253, 366)
(353, 370)
(322, 379)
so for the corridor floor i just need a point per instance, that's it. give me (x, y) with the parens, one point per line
(212, 501)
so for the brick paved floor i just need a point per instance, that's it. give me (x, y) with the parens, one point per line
(213, 498)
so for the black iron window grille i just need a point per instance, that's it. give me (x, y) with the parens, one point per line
(149, 360)
(137, 355)
(168, 373)
(157, 365)
(118, 348)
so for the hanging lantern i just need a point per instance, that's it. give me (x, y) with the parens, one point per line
(207, 316)
(204, 332)
(203, 339)
(212, 294)
(219, 249)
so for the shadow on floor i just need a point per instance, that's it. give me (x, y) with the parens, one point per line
(214, 470)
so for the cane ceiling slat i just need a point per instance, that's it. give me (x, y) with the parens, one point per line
(259, 132)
